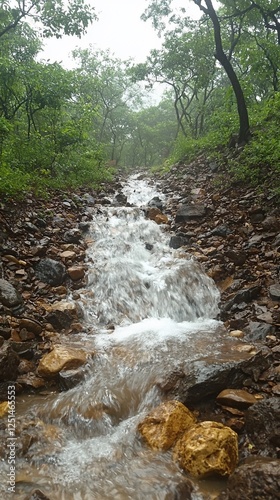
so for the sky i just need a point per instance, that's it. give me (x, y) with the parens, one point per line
(119, 29)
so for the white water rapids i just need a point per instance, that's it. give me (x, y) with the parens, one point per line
(159, 301)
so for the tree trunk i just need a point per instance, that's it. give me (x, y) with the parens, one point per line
(244, 125)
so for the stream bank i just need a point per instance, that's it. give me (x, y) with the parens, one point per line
(257, 364)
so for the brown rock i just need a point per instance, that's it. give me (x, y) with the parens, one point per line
(31, 380)
(76, 272)
(68, 254)
(237, 398)
(31, 325)
(165, 424)
(161, 219)
(207, 448)
(153, 212)
(61, 357)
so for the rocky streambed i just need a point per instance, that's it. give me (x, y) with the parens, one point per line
(233, 377)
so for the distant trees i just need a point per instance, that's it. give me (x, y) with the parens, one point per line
(64, 127)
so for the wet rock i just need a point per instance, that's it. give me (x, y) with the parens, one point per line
(72, 236)
(177, 242)
(262, 424)
(165, 424)
(258, 331)
(37, 495)
(60, 320)
(190, 212)
(236, 398)
(246, 295)
(50, 271)
(30, 380)
(156, 202)
(121, 198)
(161, 219)
(61, 357)
(211, 377)
(76, 272)
(155, 214)
(149, 246)
(257, 479)
(9, 362)
(25, 350)
(84, 226)
(70, 378)
(31, 325)
(274, 291)
(10, 297)
(208, 448)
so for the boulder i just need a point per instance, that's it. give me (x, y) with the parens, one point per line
(262, 424)
(257, 479)
(50, 271)
(208, 448)
(190, 212)
(165, 424)
(61, 357)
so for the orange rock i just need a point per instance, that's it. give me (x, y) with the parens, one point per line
(60, 357)
(207, 448)
(165, 424)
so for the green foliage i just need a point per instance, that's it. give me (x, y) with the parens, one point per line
(259, 161)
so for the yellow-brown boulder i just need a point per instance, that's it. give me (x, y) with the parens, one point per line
(61, 357)
(207, 448)
(4, 408)
(165, 424)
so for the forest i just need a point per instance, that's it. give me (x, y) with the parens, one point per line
(62, 128)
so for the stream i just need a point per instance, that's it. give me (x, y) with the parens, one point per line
(150, 310)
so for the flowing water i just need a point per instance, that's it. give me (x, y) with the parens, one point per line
(150, 311)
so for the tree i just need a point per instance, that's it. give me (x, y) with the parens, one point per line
(163, 8)
(53, 17)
